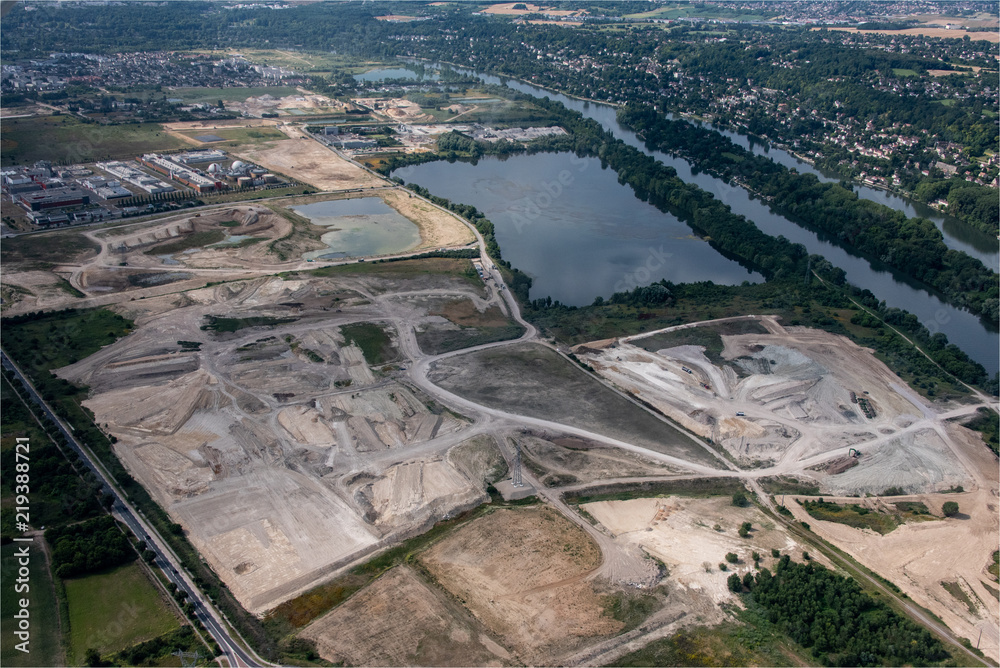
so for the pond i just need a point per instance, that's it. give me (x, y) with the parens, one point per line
(359, 228)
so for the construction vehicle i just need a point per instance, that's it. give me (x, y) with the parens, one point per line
(854, 452)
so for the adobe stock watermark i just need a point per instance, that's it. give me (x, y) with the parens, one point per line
(655, 259)
(527, 210)
(22, 519)
(941, 318)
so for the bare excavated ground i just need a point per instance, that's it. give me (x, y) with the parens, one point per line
(303, 159)
(522, 573)
(532, 380)
(456, 323)
(560, 460)
(278, 447)
(399, 620)
(795, 398)
(681, 531)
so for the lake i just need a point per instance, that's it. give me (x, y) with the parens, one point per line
(570, 225)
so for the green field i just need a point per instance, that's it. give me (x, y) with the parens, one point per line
(213, 95)
(903, 72)
(855, 516)
(45, 648)
(217, 324)
(69, 337)
(753, 643)
(43, 250)
(65, 140)
(238, 136)
(407, 269)
(114, 610)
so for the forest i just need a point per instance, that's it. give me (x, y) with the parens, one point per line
(977, 205)
(832, 616)
(87, 547)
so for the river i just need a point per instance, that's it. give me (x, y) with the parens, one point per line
(468, 184)
(957, 235)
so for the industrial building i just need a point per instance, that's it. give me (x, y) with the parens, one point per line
(106, 188)
(195, 157)
(136, 177)
(180, 173)
(51, 199)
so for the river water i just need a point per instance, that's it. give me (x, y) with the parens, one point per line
(545, 248)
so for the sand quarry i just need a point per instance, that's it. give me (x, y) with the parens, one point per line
(793, 398)
(782, 402)
(143, 259)
(283, 453)
(288, 455)
(692, 537)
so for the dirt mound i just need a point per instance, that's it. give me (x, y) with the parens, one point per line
(153, 409)
(416, 491)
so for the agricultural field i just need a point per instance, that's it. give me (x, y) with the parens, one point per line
(233, 137)
(115, 610)
(308, 161)
(66, 140)
(399, 620)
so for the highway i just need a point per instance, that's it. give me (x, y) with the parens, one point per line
(165, 559)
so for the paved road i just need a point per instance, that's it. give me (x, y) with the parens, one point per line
(165, 558)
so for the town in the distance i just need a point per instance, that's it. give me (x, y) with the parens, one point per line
(458, 333)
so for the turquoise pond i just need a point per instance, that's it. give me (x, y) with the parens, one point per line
(359, 228)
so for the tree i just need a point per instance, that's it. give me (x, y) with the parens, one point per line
(744, 529)
(735, 583)
(950, 509)
(740, 500)
(732, 557)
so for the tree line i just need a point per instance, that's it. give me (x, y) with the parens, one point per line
(835, 619)
(912, 246)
